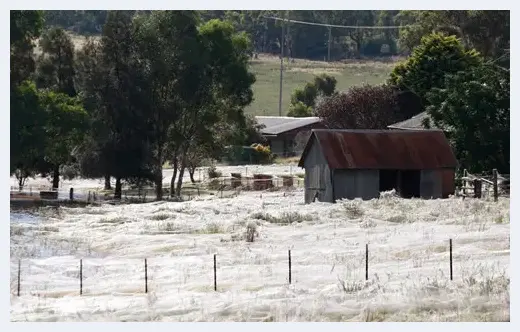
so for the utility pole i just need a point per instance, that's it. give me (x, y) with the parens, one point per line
(282, 46)
(330, 38)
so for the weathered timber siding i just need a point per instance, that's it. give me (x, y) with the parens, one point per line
(317, 176)
(448, 182)
(431, 184)
(350, 184)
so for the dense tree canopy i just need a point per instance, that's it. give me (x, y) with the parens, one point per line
(473, 107)
(438, 55)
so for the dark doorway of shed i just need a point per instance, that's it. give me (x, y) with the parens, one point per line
(407, 183)
(410, 185)
(388, 180)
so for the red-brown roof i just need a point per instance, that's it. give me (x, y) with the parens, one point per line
(383, 149)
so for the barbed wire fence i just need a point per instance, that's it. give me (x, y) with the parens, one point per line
(137, 271)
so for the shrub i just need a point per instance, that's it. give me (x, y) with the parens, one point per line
(300, 110)
(262, 154)
(361, 107)
(251, 232)
(213, 173)
(285, 218)
(69, 172)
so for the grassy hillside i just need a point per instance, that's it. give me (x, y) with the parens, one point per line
(296, 74)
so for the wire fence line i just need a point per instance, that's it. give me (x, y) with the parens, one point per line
(217, 265)
(222, 187)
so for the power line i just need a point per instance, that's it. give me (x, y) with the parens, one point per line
(374, 27)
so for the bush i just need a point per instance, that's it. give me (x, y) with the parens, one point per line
(362, 107)
(69, 172)
(300, 110)
(262, 154)
(251, 232)
(213, 173)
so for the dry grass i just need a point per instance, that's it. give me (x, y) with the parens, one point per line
(299, 72)
(287, 161)
(285, 218)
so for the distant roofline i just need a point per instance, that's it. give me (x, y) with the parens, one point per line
(280, 128)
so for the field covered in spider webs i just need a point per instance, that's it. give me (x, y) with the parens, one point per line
(408, 276)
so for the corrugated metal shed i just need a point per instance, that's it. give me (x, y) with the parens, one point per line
(275, 125)
(383, 149)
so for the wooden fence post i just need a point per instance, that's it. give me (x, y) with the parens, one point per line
(215, 271)
(451, 260)
(477, 188)
(145, 276)
(464, 174)
(366, 262)
(81, 277)
(290, 272)
(495, 184)
(19, 272)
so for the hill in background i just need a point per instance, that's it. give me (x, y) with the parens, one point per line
(297, 72)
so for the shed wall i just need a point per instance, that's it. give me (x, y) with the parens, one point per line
(431, 184)
(448, 182)
(277, 146)
(317, 176)
(351, 184)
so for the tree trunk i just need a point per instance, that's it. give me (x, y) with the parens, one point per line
(159, 176)
(56, 177)
(158, 186)
(174, 176)
(108, 186)
(179, 182)
(118, 191)
(21, 182)
(191, 170)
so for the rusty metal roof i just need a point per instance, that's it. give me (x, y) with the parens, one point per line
(383, 149)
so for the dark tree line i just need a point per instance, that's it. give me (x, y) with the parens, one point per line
(157, 87)
(486, 31)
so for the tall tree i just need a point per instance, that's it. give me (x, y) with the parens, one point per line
(474, 109)
(124, 106)
(122, 132)
(95, 153)
(26, 115)
(224, 88)
(64, 129)
(171, 53)
(55, 69)
(436, 56)
(27, 132)
(26, 26)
